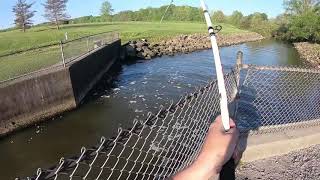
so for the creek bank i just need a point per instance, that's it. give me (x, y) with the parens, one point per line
(143, 49)
(309, 52)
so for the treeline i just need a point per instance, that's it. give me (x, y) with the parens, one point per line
(257, 22)
(300, 22)
(55, 12)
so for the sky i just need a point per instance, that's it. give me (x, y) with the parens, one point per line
(77, 8)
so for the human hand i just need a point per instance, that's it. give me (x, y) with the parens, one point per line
(219, 145)
(218, 148)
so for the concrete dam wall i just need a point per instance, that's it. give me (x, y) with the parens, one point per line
(44, 94)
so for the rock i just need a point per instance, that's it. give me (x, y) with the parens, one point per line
(140, 55)
(140, 44)
(183, 44)
(131, 50)
(309, 52)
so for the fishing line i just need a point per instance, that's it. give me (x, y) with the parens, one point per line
(166, 11)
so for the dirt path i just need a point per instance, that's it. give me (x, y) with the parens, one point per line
(299, 165)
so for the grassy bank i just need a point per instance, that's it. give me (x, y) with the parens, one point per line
(11, 41)
(16, 40)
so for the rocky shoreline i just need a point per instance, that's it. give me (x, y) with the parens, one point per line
(143, 49)
(309, 52)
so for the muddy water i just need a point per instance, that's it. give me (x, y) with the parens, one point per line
(137, 89)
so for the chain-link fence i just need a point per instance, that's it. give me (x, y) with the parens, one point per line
(267, 98)
(28, 62)
(278, 98)
(76, 48)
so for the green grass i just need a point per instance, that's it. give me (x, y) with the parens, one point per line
(15, 65)
(16, 40)
(12, 41)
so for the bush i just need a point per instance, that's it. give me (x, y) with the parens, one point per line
(301, 21)
(305, 27)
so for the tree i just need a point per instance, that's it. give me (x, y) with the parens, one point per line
(305, 27)
(218, 16)
(106, 10)
(298, 7)
(235, 18)
(55, 11)
(23, 14)
(302, 21)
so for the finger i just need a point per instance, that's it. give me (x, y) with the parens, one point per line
(232, 123)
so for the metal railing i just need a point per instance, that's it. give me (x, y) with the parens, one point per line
(264, 99)
(25, 63)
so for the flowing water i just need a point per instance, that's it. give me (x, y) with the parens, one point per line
(138, 89)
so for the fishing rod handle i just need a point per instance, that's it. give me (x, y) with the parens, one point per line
(228, 171)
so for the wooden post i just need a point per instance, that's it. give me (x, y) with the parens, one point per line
(62, 54)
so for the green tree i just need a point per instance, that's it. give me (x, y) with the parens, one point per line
(305, 27)
(235, 18)
(55, 11)
(218, 16)
(106, 10)
(23, 14)
(302, 21)
(298, 7)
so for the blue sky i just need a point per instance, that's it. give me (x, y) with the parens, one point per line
(77, 8)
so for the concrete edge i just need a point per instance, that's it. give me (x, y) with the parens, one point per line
(279, 147)
(37, 117)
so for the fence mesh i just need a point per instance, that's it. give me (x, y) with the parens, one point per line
(274, 99)
(264, 97)
(74, 49)
(19, 64)
(40, 59)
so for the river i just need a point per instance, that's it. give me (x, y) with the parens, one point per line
(137, 89)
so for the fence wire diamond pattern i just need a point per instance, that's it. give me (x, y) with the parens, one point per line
(264, 99)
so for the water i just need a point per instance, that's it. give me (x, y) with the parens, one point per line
(139, 88)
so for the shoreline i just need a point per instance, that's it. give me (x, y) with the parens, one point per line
(309, 52)
(185, 44)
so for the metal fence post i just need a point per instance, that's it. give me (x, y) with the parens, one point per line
(62, 54)
(238, 67)
(88, 44)
(239, 58)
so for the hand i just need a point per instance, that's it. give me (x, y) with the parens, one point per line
(217, 150)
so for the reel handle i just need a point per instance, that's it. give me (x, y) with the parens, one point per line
(228, 171)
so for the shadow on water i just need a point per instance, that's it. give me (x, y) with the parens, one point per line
(127, 94)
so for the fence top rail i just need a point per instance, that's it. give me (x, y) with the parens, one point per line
(281, 68)
(33, 73)
(54, 44)
(84, 37)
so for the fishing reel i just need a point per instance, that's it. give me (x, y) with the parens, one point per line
(216, 29)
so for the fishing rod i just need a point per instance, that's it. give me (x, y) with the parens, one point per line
(228, 170)
(221, 84)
